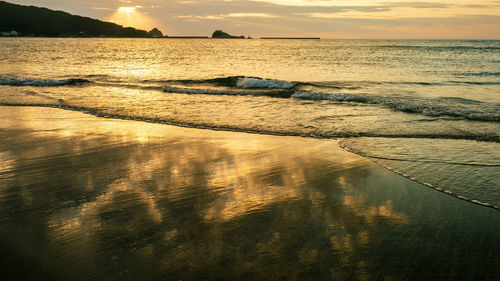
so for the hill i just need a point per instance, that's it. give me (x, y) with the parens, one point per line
(35, 21)
(222, 34)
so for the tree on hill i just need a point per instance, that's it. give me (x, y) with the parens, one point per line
(35, 21)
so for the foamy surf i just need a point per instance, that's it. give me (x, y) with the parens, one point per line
(454, 107)
(260, 83)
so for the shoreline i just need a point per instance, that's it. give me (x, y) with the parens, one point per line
(264, 133)
(95, 113)
(117, 199)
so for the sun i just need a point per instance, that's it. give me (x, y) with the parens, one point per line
(126, 9)
(132, 17)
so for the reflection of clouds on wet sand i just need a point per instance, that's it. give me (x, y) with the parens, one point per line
(250, 184)
(7, 164)
(133, 200)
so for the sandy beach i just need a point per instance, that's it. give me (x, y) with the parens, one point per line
(87, 198)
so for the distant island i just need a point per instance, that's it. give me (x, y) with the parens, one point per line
(224, 35)
(19, 20)
(155, 33)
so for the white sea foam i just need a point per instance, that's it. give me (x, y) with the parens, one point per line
(259, 83)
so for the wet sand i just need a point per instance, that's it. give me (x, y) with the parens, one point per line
(86, 198)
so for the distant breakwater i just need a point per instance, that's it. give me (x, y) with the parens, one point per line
(310, 38)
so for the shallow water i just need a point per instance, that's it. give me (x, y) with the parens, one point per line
(85, 198)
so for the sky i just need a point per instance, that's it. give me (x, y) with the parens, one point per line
(340, 19)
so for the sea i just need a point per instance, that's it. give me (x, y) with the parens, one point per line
(426, 109)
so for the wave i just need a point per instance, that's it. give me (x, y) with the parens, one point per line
(241, 82)
(8, 80)
(440, 48)
(428, 166)
(365, 84)
(476, 164)
(438, 107)
(248, 82)
(458, 107)
(433, 186)
(183, 123)
(341, 91)
(484, 83)
(479, 74)
(259, 83)
(183, 90)
(445, 83)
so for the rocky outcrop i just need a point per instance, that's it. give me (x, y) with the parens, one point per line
(222, 34)
(155, 33)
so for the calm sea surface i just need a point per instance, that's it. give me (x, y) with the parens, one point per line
(429, 110)
(192, 207)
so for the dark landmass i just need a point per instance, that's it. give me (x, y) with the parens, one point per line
(224, 35)
(155, 33)
(35, 21)
(315, 38)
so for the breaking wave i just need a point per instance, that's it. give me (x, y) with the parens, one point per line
(342, 92)
(242, 82)
(258, 83)
(198, 91)
(453, 107)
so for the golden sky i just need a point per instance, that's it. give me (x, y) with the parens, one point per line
(459, 19)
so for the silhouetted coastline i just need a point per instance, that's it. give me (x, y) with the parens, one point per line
(223, 35)
(31, 21)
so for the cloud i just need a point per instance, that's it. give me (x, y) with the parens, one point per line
(417, 5)
(474, 6)
(250, 15)
(307, 17)
(196, 17)
(231, 15)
